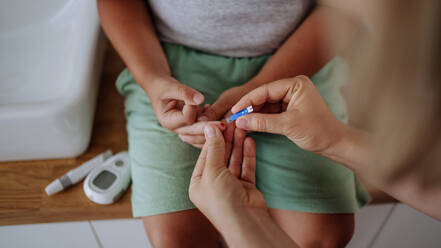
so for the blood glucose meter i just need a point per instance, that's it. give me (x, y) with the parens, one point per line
(108, 182)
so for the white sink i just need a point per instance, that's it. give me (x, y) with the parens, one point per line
(51, 54)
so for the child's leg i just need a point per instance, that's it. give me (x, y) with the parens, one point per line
(310, 197)
(315, 230)
(161, 167)
(188, 228)
(161, 163)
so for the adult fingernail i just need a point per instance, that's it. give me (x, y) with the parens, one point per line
(203, 118)
(242, 123)
(210, 132)
(198, 99)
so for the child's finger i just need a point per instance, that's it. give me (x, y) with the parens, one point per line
(175, 118)
(172, 119)
(249, 161)
(193, 139)
(198, 127)
(215, 111)
(236, 158)
(202, 109)
(189, 113)
(184, 93)
(199, 146)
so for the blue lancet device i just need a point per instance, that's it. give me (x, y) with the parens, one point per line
(243, 112)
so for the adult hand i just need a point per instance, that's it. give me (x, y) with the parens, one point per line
(175, 104)
(215, 112)
(215, 188)
(304, 118)
(228, 197)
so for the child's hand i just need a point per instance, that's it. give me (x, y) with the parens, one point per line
(219, 110)
(175, 104)
(194, 134)
(305, 118)
(223, 104)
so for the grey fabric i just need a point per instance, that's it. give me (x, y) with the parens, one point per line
(236, 28)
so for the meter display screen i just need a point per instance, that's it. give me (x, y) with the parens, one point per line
(104, 179)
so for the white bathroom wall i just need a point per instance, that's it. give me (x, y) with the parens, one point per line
(377, 226)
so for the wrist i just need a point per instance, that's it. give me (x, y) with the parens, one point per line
(253, 227)
(350, 140)
(152, 81)
(339, 135)
(237, 223)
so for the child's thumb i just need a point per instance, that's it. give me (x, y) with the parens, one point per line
(215, 111)
(184, 93)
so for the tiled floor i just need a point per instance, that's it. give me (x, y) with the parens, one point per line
(377, 226)
(368, 223)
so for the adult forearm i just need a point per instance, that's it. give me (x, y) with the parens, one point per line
(354, 149)
(129, 28)
(252, 228)
(310, 47)
(358, 151)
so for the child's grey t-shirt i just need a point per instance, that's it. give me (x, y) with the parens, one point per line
(236, 28)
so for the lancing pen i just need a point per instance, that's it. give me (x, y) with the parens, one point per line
(75, 175)
(243, 112)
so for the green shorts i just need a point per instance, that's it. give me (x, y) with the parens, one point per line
(289, 177)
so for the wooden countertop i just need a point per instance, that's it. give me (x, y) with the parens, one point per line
(22, 196)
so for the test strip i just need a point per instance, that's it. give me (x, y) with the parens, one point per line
(243, 112)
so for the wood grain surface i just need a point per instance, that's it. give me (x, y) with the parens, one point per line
(22, 196)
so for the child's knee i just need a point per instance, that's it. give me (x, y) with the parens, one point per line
(180, 229)
(315, 230)
(334, 238)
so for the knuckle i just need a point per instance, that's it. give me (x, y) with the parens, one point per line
(265, 88)
(216, 143)
(166, 125)
(183, 92)
(188, 120)
(302, 79)
(211, 113)
(260, 124)
(288, 124)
